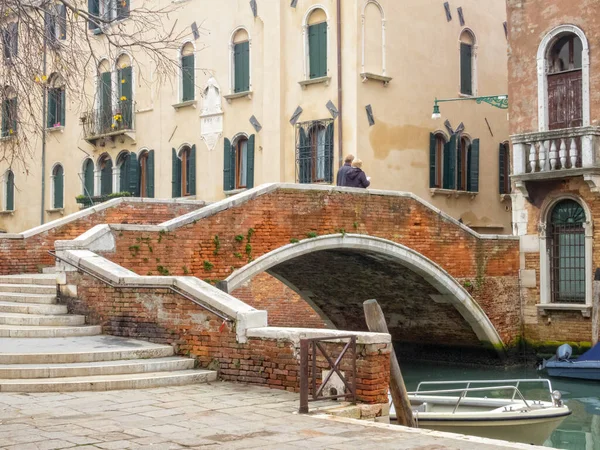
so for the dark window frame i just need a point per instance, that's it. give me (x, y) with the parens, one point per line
(307, 157)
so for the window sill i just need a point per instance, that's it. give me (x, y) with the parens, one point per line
(320, 80)
(60, 128)
(452, 193)
(366, 76)
(61, 211)
(234, 192)
(460, 94)
(185, 104)
(231, 97)
(543, 308)
(8, 138)
(10, 212)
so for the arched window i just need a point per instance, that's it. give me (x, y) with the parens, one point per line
(123, 117)
(105, 167)
(184, 171)
(128, 173)
(188, 81)
(316, 29)
(566, 241)
(565, 82)
(146, 169)
(9, 191)
(104, 99)
(468, 85)
(9, 112)
(563, 63)
(88, 178)
(504, 168)
(240, 61)
(373, 38)
(314, 154)
(56, 102)
(58, 185)
(238, 170)
(436, 157)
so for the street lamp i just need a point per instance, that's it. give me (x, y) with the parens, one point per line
(498, 101)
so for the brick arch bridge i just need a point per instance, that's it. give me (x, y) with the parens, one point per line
(439, 281)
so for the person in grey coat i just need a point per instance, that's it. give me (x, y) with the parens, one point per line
(341, 175)
(356, 177)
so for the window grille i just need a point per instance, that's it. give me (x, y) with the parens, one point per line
(314, 151)
(567, 245)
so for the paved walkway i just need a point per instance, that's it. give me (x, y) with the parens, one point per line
(220, 415)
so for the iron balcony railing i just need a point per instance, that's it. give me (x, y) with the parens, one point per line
(106, 120)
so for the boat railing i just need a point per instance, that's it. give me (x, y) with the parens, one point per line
(491, 384)
(464, 391)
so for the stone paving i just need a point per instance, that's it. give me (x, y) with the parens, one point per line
(219, 415)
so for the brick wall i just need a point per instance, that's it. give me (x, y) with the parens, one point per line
(166, 318)
(213, 247)
(30, 255)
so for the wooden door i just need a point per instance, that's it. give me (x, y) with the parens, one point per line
(565, 100)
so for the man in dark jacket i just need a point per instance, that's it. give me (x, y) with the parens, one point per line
(341, 175)
(356, 177)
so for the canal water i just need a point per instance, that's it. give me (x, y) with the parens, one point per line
(579, 431)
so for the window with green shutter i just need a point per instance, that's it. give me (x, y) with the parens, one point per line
(9, 116)
(149, 175)
(466, 69)
(175, 175)
(10, 40)
(9, 191)
(88, 178)
(228, 166)
(317, 50)
(504, 168)
(125, 101)
(122, 9)
(106, 183)
(58, 187)
(449, 163)
(473, 167)
(187, 78)
(94, 12)
(314, 151)
(105, 102)
(56, 108)
(241, 61)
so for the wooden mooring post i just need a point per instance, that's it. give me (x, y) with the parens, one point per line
(377, 324)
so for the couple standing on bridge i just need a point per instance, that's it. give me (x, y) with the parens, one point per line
(352, 175)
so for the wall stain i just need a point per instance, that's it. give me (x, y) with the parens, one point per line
(384, 138)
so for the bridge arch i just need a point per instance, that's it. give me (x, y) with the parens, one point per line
(449, 289)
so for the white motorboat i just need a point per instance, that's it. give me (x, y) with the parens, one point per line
(494, 409)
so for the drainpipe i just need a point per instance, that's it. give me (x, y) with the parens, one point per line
(339, 82)
(44, 105)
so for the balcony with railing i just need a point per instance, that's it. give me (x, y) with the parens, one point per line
(555, 154)
(107, 123)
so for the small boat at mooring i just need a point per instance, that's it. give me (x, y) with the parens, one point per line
(585, 367)
(495, 409)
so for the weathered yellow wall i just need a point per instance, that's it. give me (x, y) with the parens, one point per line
(422, 57)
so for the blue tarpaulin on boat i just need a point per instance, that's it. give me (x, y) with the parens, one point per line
(593, 354)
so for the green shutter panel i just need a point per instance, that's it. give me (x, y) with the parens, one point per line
(432, 160)
(237, 62)
(5, 118)
(228, 167)
(10, 191)
(58, 187)
(50, 26)
(449, 166)
(305, 159)
(105, 101)
(246, 65)
(51, 108)
(466, 84)
(62, 22)
(150, 174)
(329, 153)
(89, 178)
(106, 186)
(242, 66)
(460, 164)
(133, 175)
(313, 51)
(501, 168)
(187, 73)
(126, 91)
(62, 109)
(176, 175)
(13, 113)
(93, 10)
(191, 176)
(124, 175)
(122, 9)
(323, 50)
(15, 38)
(474, 166)
(250, 162)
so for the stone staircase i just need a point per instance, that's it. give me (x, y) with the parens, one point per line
(45, 349)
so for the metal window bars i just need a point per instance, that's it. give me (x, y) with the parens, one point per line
(314, 151)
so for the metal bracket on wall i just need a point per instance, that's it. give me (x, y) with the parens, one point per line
(296, 115)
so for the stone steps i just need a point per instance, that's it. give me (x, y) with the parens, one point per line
(32, 308)
(100, 368)
(23, 331)
(7, 318)
(45, 349)
(109, 382)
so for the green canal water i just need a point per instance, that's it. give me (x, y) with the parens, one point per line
(579, 431)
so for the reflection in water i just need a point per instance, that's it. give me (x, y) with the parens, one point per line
(579, 431)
